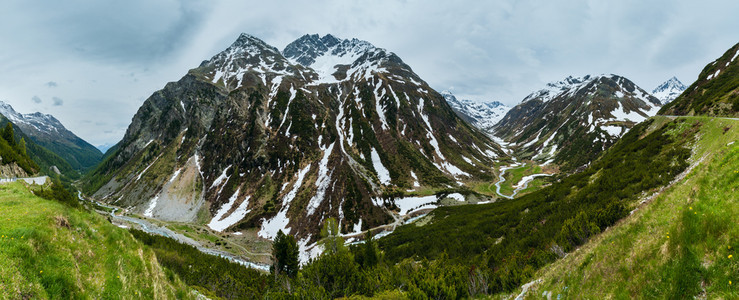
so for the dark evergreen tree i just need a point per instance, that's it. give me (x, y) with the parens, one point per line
(284, 255)
(9, 134)
(370, 251)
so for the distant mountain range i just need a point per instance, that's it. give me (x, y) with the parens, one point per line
(104, 147)
(570, 122)
(483, 115)
(48, 132)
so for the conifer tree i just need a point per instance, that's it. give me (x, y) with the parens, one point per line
(284, 255)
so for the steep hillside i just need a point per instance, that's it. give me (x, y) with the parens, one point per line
(678, 244)
(570, 122)
(48, 132)
(715, 93)
(481, 115)
(49, 250)
(14, 157)
(256, 139)
(669, 90)
(509, 240)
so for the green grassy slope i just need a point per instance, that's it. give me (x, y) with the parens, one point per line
(49, 250)
(680, 244)
(512, 239)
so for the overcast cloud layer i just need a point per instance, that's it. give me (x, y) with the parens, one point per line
(91, 63)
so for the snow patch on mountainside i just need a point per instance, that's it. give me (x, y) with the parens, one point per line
(324, 179)
(219, 223)
(279, 222)
(382, 173)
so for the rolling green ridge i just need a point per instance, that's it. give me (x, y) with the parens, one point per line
(51, 250)
(80, 155)
(679, 245)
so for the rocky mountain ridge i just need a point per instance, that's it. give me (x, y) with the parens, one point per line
(570, 121)
(715, 93)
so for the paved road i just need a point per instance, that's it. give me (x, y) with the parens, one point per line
(29, 180)
(674, 117)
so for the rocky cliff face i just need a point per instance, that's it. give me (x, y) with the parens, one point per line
(258, 138)
(571, 121)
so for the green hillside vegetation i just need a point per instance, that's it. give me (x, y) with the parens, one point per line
(80, 155)
(38, 159)
(464, 251)
(715, 93)
(51, 250)
(46, 159)
(680, 245)
(510, 240)
(13, 150)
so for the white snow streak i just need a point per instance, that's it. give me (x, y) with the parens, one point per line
(280, 221)
(324, 178)
(382, 173)
(219, 223)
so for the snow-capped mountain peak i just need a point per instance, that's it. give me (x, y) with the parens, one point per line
(246, 54)
(483, 115)
(582, 115)
(252, 45)
(669, 90)
(553, 89)
(311, 50)
(334, 59)
(39, 121)
(573, 85)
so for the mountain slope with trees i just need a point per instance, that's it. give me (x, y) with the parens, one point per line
(260, 139)
(48, 132)
(570, 122)
(715, 93)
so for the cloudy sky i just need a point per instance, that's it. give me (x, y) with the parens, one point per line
(91, 63)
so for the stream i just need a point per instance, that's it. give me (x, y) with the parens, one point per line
(166, 232)
(522, 185)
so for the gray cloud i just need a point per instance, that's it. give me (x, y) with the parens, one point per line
(36, 99)
(51, 84)
(57, 101)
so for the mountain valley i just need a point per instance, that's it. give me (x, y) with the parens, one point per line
(330, 169)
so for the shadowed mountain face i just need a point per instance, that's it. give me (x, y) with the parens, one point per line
(715, 93)
(256, 137)
(571, 121)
